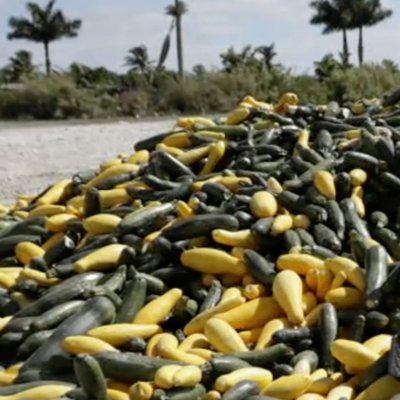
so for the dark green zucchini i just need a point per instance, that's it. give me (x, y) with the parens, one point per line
(378, 369)
(116, 280)
(96, 311)
(241, 391)
(375, 265)
(352, 219)
(224, 364)
(259, 267)
(133, 298)
(199, 225)
(130, 367)
(90, 377)
(263, 358)
(32, 342)
(91, 203)
(143, 216)
(65, 291)
(59, 250)
(376, 320)
(213, 296)
(194, 393)
(53, 317)
(262, 226)
(291, 239)
(328, 330)
(326, 237)
(292, 335)
(336, 218)
(357, 328)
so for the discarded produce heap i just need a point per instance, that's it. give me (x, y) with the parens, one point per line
(250, 257)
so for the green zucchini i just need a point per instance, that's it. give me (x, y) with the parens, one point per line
(91, 202)
(135, 345)
(375, 267)
(32, 342)
(224, 364)
(133, 299)
(291, 239)
(357, 328)
(292, 335)
(259, 267)
(53, 317)
(355, 159)
(90, 377)
(343, 185)
(199, 225)
(262, 226)
(376, 320)
(265, 357)
(194, 393)
(352, 219)
(281, 369)
(328, 330)
(19, 324)
(241, 391)
(325, 237)
(172, 165)
(116, 280)
(143, 216)
(336, 218)
(65, 291)
(378, 369)
(59, 250)
(130, 367)
(306, 238)
(95, 312)
(213, 296)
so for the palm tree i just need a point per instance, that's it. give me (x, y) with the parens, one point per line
(267, 54)
(366, 13)
(176, 11)
(336, 16)
(21, 64)
(44, 25)
(138, 59)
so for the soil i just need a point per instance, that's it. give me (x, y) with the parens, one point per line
(35, 155)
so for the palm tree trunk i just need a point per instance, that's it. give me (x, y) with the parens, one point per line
(360, 45)
(345, 48)
(179, 46)
(47, 57)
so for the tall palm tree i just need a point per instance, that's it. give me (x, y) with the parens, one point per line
(177, 10)
(366, 13)
(335, 15)
(44, 25)
(138, 59)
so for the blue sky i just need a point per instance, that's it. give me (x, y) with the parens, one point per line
(111, 27)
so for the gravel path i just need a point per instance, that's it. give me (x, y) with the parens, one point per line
(33, 156)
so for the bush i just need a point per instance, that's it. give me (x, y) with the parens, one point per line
(207, 91)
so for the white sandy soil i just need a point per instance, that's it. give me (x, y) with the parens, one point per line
(34, 155)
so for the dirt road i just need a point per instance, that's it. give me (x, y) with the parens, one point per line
(33, 156)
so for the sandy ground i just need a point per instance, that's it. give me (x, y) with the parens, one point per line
(35, 155)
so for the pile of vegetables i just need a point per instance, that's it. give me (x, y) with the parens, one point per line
(254, 256)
